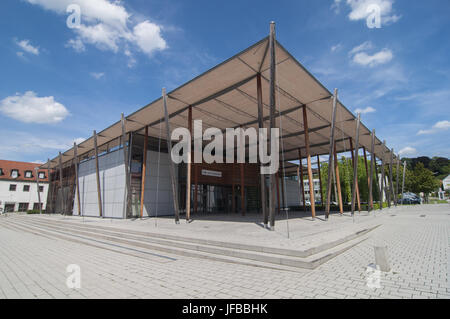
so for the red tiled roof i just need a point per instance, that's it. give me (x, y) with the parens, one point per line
(8, 166)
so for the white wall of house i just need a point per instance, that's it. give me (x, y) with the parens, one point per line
(19, 196)
(446, 183)
(158, 183)
(112, 185)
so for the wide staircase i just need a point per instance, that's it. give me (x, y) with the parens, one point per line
(146, 244)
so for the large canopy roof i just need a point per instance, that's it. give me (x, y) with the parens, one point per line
(226, 97)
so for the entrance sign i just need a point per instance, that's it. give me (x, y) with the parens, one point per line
(206, 172)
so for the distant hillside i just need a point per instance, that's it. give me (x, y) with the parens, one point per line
(440, 166)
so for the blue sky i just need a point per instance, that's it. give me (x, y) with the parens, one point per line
(59, 84)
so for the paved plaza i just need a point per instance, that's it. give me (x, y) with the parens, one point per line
(33, 264)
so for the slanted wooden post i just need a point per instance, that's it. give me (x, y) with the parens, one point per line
(312, 196)
(63, 202)
(189, 165)
(396, 181)
(403, 181)
(233, 186)
(171, 163)
(97, 174)
(127, 170)
(368, 178)
(261, 125)
(50, 190)
(330, 153)
(241, 167)
(144, 171)
(338, 181)
(278, 191)
(391, 182)
(272, 82)
(36, 171)
(355, 166)
(353, 151)
(301, 178)
(372, 165)
(77, 182)
(382, 186)
(320, 179)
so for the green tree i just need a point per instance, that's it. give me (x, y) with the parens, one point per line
(422, 180)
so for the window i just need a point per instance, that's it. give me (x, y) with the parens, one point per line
(26, 188)
(41, 189)
(1, 171)
(36, 206)
(28, 174)
(41, 175)
(12, 187)
(23, 207)
(14, 173)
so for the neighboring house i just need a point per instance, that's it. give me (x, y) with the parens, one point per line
(18, 187)
(446, 183)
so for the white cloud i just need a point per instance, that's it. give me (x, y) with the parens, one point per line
(97, 75)
(148, 37)
(362, 47)
(407, 151)
(106, 24)
(381, 57)
(76, 44)
(336, 47)
(366, 110)
(29, 108)
(27, 47)
(439, 126)
(359, 10)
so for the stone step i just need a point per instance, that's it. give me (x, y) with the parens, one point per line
(240, 246)
(309, 262)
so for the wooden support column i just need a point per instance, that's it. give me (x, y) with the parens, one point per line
(261, 125)
(403, 181)
(189, 167)
(38, 191)
(77, 183)
(338, 181)
(368, 178)
(308, 159)
(320, 179)
(278, 191)
(372, 165)
(382, 187)
(233, 188)
(125, 149)
(171, 163)
(283, 194)
(301, 178)
(63, 202)
(241, 167)
(195, 188)
(353, 152)
(355, 167)
(391, 182)
(144, 171)
(49, 207)
(97, 174)
(330, 154)
(397, 180)
(272, 84)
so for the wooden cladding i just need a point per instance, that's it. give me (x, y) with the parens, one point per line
(230, 174)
